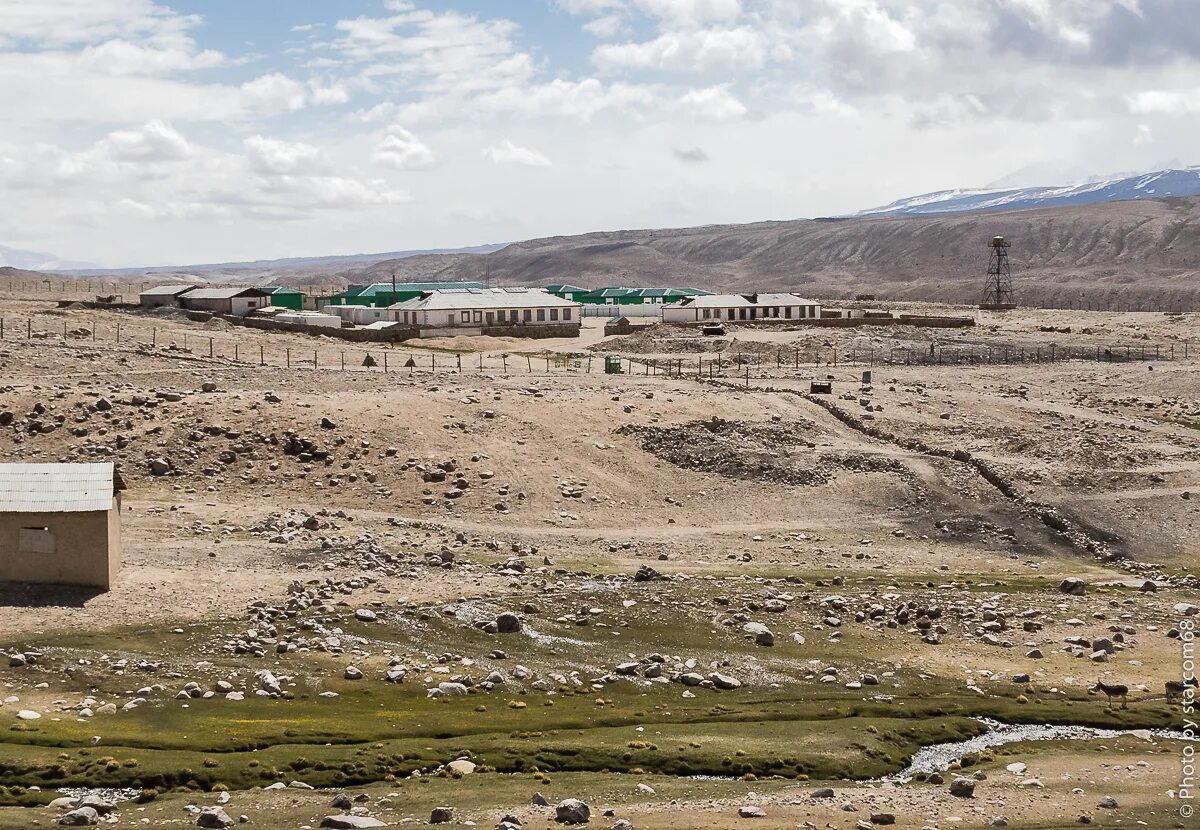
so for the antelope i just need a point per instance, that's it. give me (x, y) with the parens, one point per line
(1112, 690)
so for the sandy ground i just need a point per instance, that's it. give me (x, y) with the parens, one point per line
(558, 461)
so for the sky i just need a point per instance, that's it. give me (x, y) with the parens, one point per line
(137, 132)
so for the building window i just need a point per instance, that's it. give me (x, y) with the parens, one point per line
(554, 314)
(466, 316)
(566, 314)
(787, 312)
(35, 540)
(731, 317)
(541, 315)
(528, 315)
(478, 316)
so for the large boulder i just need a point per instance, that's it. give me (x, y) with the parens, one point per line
(214, 817)
(1074, 586)
(83, 817)
(100, 805)
(962, 788)
(350, 822)
(646, 574)
(725, 681)
(762, 635)
(508, 624)
(572, 811)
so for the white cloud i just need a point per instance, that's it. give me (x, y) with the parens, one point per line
(508, 153)
(707, 49)
(333, 94)
(716, 103)
(275, 92)
(590, 6)
(440, 52)
(579, 99)
(605, 27)
(404, 151)
(156, 141)
(272, 156)
(691, 12)
(692, 155)
(1165, 101)
(59, 23)
(157, 57)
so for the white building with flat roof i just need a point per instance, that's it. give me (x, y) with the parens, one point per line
(728, 308)
(479, 308)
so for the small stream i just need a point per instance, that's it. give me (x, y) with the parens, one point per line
(935, 758)
(938, 757)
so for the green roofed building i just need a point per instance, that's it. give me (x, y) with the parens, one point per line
(286, 297)
(638, 296)
(567, 292)
(384, 294)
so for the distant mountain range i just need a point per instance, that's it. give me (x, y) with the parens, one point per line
(34, 261)
(320, 270)
(1179, 182)
(1130, 240)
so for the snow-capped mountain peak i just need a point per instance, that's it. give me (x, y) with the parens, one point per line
(1176, 182)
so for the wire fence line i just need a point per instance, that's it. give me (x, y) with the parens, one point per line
(234, 349)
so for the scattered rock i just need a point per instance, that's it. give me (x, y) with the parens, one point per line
(214, 817)
(572, 811)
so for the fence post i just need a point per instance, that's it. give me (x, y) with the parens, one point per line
(289, 358)
(343, 361)
(29, 329)
(210, 347)
(237, 352)
(262, 357)
(314, 358)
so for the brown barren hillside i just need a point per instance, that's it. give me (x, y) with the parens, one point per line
(1134, 251)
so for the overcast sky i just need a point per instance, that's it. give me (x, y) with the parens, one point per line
(135, 132)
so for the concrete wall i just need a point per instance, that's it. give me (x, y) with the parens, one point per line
(241, 306)
(855, 322)
(211, 306)
(158, 301)
(311, 319)
(399, 334)
(237, 306)
(86, 548)
(693, 314)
